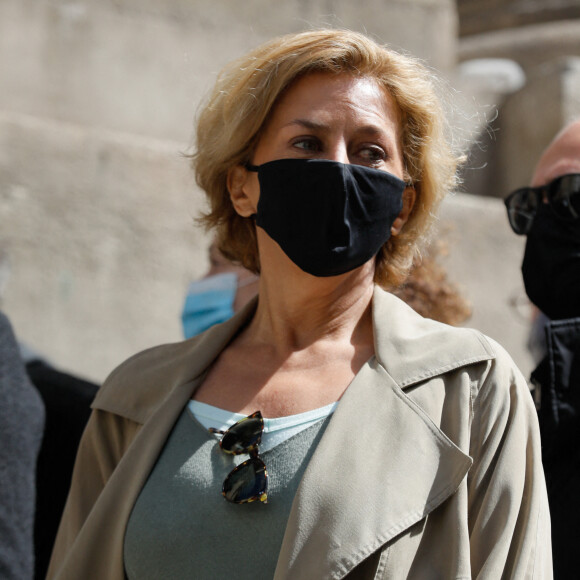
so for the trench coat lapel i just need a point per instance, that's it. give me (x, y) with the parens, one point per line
(365, 486)
(166, 384)
(382, 464)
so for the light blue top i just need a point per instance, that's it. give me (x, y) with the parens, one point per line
(275, 430)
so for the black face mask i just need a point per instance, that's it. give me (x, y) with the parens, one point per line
(551, 266)
(328, 217)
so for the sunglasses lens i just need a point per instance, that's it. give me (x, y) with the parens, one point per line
(521, 206)
(244, 436)
(248, 482)
(564, 196)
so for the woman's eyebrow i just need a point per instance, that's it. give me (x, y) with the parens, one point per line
(374, 130)
(307, 124)
(318, 126)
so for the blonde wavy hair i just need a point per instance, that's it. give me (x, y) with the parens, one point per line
(246, 91)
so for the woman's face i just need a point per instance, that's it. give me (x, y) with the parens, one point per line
(323, 116)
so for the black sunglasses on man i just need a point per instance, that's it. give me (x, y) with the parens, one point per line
(561, 194)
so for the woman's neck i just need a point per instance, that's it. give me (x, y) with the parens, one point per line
(296, 310)
(306, 342)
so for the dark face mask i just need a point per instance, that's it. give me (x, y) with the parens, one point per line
(328, 217)
(551, 266)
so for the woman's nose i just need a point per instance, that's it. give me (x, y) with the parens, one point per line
(339, 152)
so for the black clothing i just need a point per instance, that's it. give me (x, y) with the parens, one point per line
(67, 400)
(551, 265)
(558, 378)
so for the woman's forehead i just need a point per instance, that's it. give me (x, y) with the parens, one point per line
(321, 99)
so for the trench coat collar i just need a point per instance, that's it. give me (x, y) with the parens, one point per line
(413, 349)
(409, 347)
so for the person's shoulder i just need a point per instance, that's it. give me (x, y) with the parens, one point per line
(503, 369)
(414, 348)
(139, 384)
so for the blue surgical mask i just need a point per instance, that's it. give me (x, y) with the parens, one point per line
(208, 302)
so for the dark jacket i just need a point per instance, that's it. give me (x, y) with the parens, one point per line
(557, 378)
(67, 400)
(21, 423)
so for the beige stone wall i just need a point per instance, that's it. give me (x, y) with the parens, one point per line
(525, 123)
(531, 46)
(98, 229)
(532, 117)
(481, 16)
(142, 66)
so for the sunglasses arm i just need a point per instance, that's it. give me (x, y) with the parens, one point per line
(218, 431)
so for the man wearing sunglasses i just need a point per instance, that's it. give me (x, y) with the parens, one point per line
(548, 213)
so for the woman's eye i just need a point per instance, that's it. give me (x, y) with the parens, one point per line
(373, 153)
(307, 144)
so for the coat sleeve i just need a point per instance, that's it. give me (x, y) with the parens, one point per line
(21, 425)
(102, 446)
(509, 520)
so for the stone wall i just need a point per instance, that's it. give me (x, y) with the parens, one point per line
(543, 38)
(481, 16)
(142, 66)
(98, 230)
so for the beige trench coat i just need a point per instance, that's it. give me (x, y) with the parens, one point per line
(429, 469)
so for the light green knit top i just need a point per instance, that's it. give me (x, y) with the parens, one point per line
(182, 527)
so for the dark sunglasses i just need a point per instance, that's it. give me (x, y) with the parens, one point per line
(248, 481)
(562, 195)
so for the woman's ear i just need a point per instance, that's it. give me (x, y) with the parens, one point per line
(409, 196)
(239, 187)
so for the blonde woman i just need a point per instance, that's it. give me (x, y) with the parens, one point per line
(326, 430)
